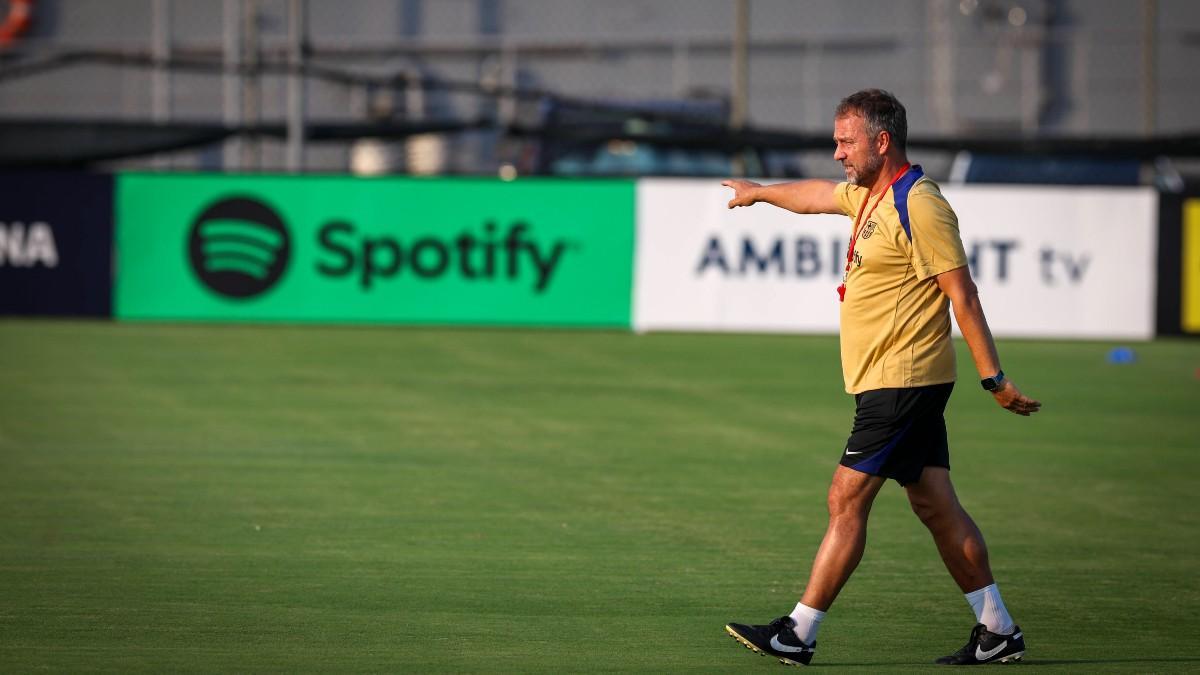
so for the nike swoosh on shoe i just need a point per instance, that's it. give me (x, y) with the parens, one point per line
(779, 646)
(981, 655)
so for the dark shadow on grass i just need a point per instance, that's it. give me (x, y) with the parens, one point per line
(1025, 662)
(1148, 659)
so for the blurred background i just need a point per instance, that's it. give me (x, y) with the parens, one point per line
(1032, 91)
(149, 113)
(275, 278)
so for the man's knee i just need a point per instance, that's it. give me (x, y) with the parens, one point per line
(850, 498)
(841, 505)
(927, 510)
(933, 498)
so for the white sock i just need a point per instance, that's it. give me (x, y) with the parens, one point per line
(808, 620)
(990, 610)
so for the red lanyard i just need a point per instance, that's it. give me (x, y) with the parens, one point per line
(858, 220)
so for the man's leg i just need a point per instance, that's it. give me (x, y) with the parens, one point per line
(962, 548)
(850, 497)
(958, 539)
(792, 638)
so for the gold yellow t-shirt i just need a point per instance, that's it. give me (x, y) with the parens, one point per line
(895, 320)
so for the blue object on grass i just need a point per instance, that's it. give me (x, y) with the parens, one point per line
(1120, 355)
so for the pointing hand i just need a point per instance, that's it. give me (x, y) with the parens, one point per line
(743, 191)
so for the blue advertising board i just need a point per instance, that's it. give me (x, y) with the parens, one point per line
(56, 233)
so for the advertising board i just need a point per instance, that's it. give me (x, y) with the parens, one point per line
(56, 244)
(1189, 316)
(333, 248)
(1049, 262)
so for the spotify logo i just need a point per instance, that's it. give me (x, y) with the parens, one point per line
(239, 247)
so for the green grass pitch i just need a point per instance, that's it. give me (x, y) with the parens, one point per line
(208, 498)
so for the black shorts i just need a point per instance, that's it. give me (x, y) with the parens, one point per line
(899, 432)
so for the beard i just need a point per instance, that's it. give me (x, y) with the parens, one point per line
(865, 174)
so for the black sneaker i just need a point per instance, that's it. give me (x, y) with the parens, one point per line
(775, 639)
(986, 647)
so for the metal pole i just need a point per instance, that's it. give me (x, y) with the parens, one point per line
(741, 65)
(508, 79)
(160, 87)
(231, 81)
(1150, 64)
(160, 78)
(249, 78)
(297, 10)
(941, 64)
(741, 77)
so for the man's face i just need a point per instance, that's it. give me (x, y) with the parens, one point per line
(856, 150)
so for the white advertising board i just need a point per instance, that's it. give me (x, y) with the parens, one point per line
(1057, 262)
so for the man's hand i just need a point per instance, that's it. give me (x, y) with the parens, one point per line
(1013, 400)
(743, 191)
(811, 195)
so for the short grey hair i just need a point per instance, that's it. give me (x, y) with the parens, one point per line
(881, 111)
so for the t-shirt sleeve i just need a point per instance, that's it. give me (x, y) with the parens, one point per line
(848, 198)
(936, 244)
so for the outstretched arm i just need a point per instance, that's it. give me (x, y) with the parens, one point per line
(802, 196)
(964, 296)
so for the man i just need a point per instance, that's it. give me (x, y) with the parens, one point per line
(905, 266)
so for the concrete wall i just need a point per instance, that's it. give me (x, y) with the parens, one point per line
(1056, 66)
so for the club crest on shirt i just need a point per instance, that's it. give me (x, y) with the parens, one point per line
(869, 229)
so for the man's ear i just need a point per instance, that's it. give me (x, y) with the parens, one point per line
(883, 142)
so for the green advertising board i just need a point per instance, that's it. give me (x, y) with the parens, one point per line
(339, 248)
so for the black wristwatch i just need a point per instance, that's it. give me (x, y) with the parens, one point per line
(993, 383)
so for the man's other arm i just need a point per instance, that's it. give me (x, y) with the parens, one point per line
(802, 196)
(968, 311)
